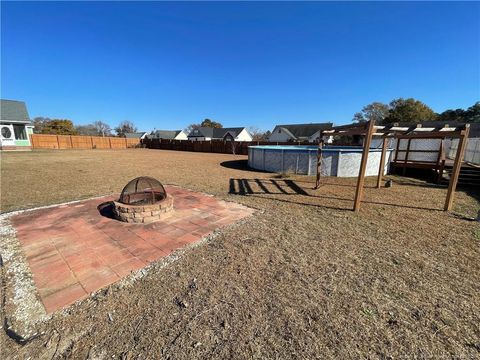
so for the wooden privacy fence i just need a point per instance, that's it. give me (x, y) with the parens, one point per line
(43, 141)
(212, 146)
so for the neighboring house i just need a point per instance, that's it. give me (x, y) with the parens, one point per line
(168, 134)
(136, 135)
(227, 134)
(299, 132)
(15, 126)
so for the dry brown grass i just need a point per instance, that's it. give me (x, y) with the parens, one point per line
(304, 278)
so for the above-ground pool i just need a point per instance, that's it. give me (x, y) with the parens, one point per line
(336, 160)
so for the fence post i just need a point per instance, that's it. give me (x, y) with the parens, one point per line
(58, 143)
(71, 141)
(126, 146)
(110, 142)
(91, 140)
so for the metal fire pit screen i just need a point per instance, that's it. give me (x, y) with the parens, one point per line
(143, 190)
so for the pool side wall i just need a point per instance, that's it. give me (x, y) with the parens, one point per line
(342, 163)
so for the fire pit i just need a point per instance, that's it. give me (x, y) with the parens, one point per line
(143, 200)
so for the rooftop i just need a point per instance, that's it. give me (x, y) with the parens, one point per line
(305, 130)
(14, 111)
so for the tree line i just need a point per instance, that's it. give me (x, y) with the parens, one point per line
(414, 111)
(396, 111)
(45, 125)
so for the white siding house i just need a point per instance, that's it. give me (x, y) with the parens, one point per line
(136, 135)
(206, 134)
(299, 132)
(168, 134)
(15, 126)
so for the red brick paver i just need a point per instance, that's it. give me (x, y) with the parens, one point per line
(72, 250)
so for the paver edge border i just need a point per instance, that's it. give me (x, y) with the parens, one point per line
(20, 276)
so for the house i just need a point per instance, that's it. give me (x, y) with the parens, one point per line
(15, 126)
(168, 134)
(226, 134)
(299, 132)
(136, 135)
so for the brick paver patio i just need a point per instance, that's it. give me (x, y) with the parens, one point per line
(72, 250)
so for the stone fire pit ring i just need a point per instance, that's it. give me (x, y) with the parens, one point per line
(143, 200)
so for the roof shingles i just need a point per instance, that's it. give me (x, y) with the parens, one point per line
(15, 111)
(305, 130)
(215, 133)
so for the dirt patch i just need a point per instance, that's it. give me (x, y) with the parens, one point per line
(305, 277)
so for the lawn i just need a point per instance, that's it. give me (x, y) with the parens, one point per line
(304, 278)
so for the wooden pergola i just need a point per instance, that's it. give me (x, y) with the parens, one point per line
(395, 131)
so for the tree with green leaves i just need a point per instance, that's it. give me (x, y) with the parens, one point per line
(452, 115)
(472, 114)
(211, 124)
(58, 127)
(125, 127)
(376, 111)
(409, 111)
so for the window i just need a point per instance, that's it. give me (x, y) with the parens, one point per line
(20, 133)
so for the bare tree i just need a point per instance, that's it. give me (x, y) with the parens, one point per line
(234, 145)
(88, 130)
(190, 127)
(257, 134)
(125, 127)
(38, 123)
(102, 128)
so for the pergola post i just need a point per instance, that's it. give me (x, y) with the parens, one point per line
(457, 165)
(319, 163)
(381, 168)
(363, 165)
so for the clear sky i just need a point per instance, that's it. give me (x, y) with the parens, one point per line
(166, 65)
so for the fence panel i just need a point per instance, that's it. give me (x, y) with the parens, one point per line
(81, 142)
(101, 142)
(117, 143)
(64, 141)
(472, 150)
(213, 146)
(44, 141)
(131, 143)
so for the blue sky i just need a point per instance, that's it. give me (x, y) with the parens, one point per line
(166, 65)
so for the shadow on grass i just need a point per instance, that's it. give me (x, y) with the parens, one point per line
(287, 187)
(236, 165)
